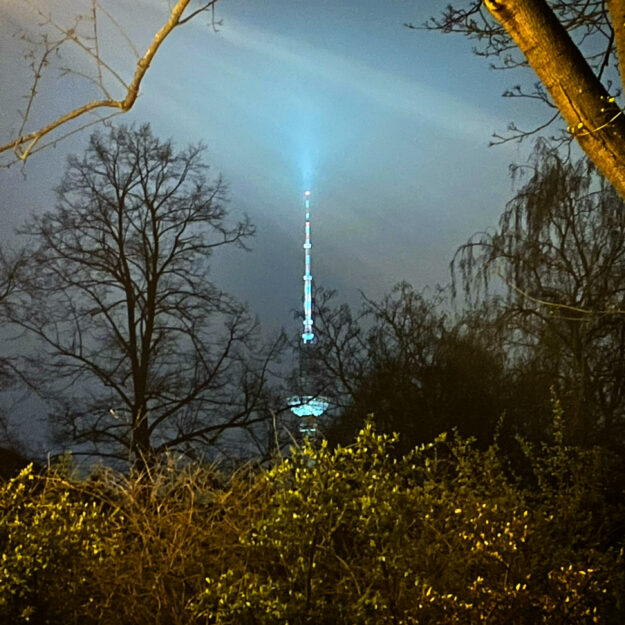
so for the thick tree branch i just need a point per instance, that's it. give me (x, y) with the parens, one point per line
(585, 104)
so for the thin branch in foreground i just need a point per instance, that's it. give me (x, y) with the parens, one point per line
(554, 305)
(23, 146)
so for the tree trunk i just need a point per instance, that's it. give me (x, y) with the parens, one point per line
(596, 123)
(141, 445)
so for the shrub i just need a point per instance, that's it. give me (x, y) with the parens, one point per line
(441, 536)
(50, 541)
(444, 535)
(175, 529)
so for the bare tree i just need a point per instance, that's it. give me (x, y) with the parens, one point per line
(405, 361)
(576, 49)
(139, 348)
(11, 448)
(560, 251)
(82, 32)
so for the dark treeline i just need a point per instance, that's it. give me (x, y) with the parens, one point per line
(543, 314)
(138, 353)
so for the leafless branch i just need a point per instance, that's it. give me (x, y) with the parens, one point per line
(24, 144)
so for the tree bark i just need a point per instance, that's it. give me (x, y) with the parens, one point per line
(617, 15)
(141, 447)
(592, 117)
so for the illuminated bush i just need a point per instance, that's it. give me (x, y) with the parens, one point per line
(49, 539)
(176, 529)
(116, 550)
(446, 535)
(442, 536)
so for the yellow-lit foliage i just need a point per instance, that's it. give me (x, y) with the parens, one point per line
(115, 549)
(176, 528)
(49, 540)
(439, 537)
(446, 535)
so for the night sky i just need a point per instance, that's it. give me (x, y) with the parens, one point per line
(388, 127)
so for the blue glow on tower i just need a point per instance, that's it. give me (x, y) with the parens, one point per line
(306, 406)
(308, 335)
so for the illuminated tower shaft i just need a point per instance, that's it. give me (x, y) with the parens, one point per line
(308, 335)
(306, 406)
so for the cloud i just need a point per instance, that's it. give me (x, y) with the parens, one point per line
(384, 89)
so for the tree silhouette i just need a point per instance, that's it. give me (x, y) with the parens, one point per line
(560, 251)
(404, 360)
(140, 350)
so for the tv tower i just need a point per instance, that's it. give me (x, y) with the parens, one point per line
(308, 335)
(307, 407)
